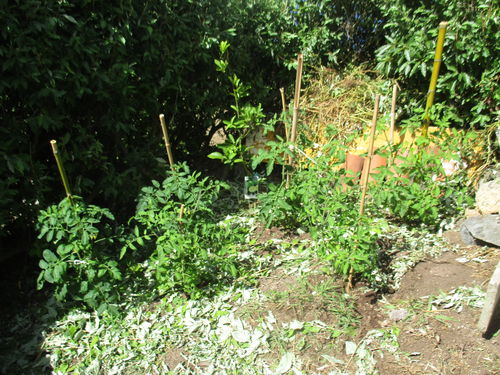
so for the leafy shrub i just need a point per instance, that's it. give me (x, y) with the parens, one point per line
(190, 251)
(417, 190)
(469, 71)
(81, 257)
(319, 202)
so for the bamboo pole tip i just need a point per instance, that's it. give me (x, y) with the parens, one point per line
(162, 117)
(53, 143)
(443, 24)
(282, 89)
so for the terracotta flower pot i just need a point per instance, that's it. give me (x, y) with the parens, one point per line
(377, 161)
(354, 165)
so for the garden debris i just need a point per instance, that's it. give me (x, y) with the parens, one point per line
(408, 248)
(481, 229)
(340, 100)
(458, 298)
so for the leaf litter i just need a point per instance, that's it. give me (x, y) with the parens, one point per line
(214, 339)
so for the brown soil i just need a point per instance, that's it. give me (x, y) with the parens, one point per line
(431, 342)
(444, 341)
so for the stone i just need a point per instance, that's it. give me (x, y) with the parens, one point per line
(488, 197)
(482, 228)
(397, 315)
(489, 320)
(471, 212)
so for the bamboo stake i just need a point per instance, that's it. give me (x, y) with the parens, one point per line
(166, 139)
(62, 172)
(393, 120)
(369, 157)
(435, 73)
(283, 103)
(181, 212)
(296, 100)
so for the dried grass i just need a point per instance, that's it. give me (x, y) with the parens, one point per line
(343, 101)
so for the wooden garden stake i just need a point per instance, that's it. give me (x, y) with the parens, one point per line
(366, 175)
(181, 212)
(369, 157)
(435, 73)
(296, 100)
(393, 120)
(60, 166)
(283, 103)
(166, 139)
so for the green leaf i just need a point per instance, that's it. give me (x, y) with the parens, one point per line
(216, 155)
(70, 19)
(49, 256)
(47, 275)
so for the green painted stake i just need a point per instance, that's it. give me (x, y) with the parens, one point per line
(435, 73)
(60, 166)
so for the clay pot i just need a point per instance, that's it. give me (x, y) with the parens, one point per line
(377, 161)
(354, 165)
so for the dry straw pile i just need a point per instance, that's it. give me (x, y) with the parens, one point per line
(338, 104)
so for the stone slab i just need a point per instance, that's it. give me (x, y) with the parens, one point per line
(489, 320)
(483, 228)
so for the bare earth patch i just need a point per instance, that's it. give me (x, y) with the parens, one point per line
(441, 341)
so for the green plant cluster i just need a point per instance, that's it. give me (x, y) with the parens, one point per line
(416, 188)
(177, 238)
(79, 256)
(190, 246)
(324, 203)
(416, 191)
(469, 72)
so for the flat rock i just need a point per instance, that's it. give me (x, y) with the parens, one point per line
(482, 228)
(488, 197)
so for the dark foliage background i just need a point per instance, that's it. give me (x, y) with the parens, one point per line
(95, 76)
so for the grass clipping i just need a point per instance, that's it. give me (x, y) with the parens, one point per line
(338, 105)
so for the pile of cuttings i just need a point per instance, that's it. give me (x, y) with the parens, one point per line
(343, 101)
